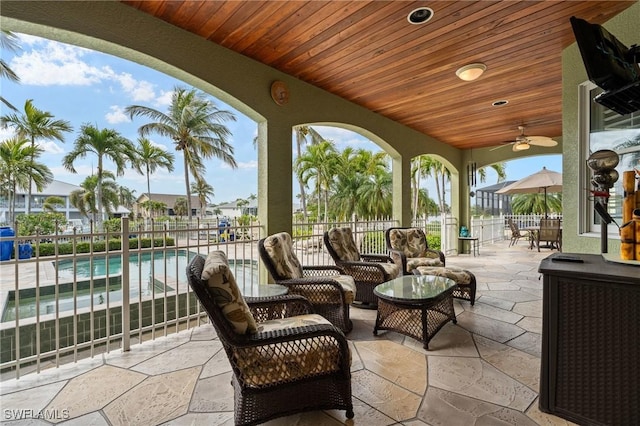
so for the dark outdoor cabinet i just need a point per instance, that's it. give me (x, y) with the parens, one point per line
(590, 361)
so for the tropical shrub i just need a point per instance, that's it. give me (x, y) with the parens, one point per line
(44, 223)
(48, 249)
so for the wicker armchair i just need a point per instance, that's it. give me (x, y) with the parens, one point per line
(408, 248)
(284, 358)
(367, 270)
(329, 290)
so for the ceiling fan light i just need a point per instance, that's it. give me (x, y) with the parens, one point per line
(521, 146)
(471, 72)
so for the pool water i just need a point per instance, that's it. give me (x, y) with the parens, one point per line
(141, 267)
(142, 270)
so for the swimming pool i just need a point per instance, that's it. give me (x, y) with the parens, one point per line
(147, 274)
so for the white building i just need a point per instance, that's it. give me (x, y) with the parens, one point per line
(55, 188)
(233, 210)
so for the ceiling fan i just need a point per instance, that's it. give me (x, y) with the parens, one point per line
(524, 142)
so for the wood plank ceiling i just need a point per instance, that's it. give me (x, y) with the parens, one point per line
(367, 52)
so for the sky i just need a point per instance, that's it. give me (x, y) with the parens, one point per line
(83, 86)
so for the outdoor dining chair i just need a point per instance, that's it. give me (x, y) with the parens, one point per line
(550, 232)
(285, 359)
(516, 233)
(367, 269)
(330, 291)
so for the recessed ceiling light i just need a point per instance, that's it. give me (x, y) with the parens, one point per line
(420, 15)
(500, 102)
(471, 72)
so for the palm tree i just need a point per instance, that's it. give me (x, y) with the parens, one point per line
(241, 204)
(376, 195)
(18, 169)
(8, 41)
(344, 198)
(302, 132)
(106, 144)
(499, 168)
(422, 167)
(356, 171)
(180, 206)
(534, 203)
(150, 158)
(126, 197)
(319, 164)
(87, 200)
(35, 124)
(203, 191)
(153, 207)
(52, 203)
(426, 205)
(194, 124)
(431, 167)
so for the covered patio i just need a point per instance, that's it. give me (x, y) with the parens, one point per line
(365, 68)
(484, 370)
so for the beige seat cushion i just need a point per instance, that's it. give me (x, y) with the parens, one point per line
(416, 262)
(459, 275)
(279, 247)
(348, 285)
(341, 239)
(412, 241)
(288, 361)
(391, 269)
(226, 294)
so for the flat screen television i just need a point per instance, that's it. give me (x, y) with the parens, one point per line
(608, 62)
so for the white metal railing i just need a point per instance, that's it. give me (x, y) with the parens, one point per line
(89, 293)
(81, 294)
(309, 244)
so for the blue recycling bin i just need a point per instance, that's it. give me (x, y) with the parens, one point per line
(25, 251)
(6, 247)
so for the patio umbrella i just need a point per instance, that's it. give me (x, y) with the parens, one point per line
(542, 181)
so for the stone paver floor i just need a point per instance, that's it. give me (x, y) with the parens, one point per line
(484, 370)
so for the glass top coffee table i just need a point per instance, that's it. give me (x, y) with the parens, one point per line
(266, 290)
(416, 306)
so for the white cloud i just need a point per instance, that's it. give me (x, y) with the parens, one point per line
(48, 146)
(50, 63)
(164, 99)
(343, 138)
(51, 147)
(64, 175)
(248, 165)
(6, 133)
(137, 90)
(55, 64)
(116, 115)
(160, 145)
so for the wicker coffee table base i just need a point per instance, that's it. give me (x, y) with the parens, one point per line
(420, 320)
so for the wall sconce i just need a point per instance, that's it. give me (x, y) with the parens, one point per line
(471, 72)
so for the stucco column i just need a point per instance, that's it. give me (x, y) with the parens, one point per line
(401, 169)
(275, 191)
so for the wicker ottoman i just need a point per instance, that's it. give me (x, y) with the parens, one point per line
(465, 280)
